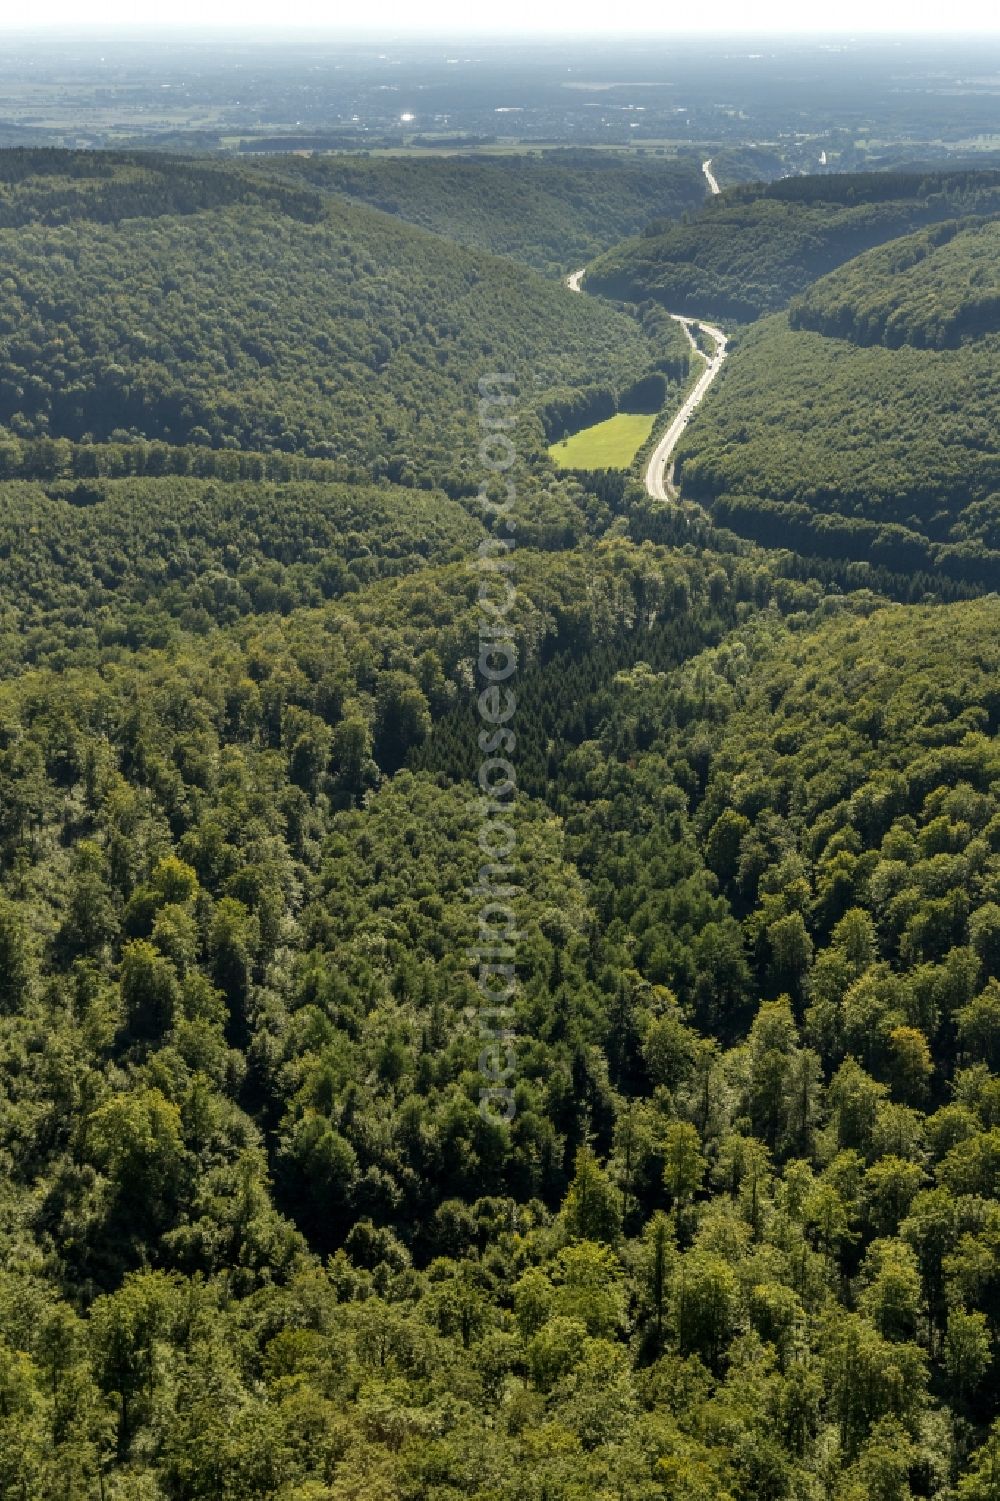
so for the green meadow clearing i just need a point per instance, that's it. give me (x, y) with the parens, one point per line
(611, 444)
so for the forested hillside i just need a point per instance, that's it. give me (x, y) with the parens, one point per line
(933, 290)
(553, 210)
(739, 1239)
(751, 250)
(319, 337)
(89, 565)
(56, 187)
(864, 422)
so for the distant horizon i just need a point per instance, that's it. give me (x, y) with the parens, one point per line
(865, 23)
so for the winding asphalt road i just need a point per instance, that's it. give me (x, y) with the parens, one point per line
(659, 480)
(713, 186)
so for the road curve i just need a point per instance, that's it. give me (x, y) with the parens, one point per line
(710, 178)
(657, 473)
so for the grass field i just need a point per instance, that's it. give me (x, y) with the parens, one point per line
(612, 444)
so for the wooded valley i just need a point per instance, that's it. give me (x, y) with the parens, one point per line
(739, 1239)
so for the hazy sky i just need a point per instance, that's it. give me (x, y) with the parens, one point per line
(522, 15)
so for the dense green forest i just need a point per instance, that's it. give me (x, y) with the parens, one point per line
(56, 187)
(315, 328)
(753, 248)
(554, 209)
(739, 1240)
(88, 564)
(933, 290)
(864, 422)
(901, 437)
